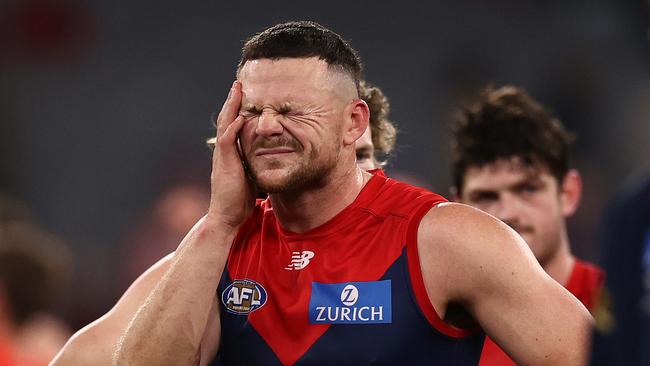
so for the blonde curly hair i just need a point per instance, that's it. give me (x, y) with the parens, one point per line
(384, 132)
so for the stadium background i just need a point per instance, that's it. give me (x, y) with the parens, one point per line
(105, 105)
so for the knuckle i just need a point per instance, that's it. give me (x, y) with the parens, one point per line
(221, 141)
(219, 120)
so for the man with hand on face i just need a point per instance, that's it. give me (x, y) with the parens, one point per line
(379, 137)
(337, 265)
(510, 159)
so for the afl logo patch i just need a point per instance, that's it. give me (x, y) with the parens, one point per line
(243, 297)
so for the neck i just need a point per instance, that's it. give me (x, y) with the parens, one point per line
(560, 265)
(305, 210)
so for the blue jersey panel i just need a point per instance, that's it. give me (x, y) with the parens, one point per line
(408, 339)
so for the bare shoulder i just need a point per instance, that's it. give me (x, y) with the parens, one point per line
(470, 258)
(94, 343)
(461, 244)
(454, 226)
(450, 220)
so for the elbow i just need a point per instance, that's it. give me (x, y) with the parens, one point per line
(76, 352)
(151, 352)
(85, 348)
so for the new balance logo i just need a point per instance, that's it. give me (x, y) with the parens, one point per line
(299, 260)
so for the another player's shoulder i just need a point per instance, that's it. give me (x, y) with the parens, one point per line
(588, 268)
(586, 282)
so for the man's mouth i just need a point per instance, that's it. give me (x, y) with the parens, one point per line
(276, 151)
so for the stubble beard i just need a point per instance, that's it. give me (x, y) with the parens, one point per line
(309, 174)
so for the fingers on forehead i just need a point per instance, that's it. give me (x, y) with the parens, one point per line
(230, 108)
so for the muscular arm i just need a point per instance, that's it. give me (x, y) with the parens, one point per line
(472, 259)
(170, 315)
(96, 343)
(170, 326)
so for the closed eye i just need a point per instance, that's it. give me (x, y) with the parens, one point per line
(249, 113)
(291, 111)
(249, 110)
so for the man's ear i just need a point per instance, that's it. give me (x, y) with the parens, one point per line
(357, 119)
(570, 192)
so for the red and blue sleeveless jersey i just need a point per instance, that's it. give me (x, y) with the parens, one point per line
(349, 292)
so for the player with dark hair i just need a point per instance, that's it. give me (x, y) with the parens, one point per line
(511, 159)
(337, 265)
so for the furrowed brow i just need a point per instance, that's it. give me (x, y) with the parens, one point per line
(251, 108)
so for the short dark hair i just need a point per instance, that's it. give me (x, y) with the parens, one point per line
(507, 123)
(303, 39)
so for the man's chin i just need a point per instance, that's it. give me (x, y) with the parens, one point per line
(272, 180)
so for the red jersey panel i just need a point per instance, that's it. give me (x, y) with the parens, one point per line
(343, 292)
(585, 283)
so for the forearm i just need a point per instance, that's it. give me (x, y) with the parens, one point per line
(168, 328)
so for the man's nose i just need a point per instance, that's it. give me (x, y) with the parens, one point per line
(508, 209)
(269, 124)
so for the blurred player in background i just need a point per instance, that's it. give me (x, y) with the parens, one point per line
(623, 323)
(32, 266)
(289, 127)
(511, 159)
(374, 146)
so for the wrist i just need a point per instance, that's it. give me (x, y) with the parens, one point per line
(214, 226)
(229, 217)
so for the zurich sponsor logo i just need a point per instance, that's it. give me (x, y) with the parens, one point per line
(243, 297)
(350, 303)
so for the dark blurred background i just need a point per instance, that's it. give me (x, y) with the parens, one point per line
(105, 105)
